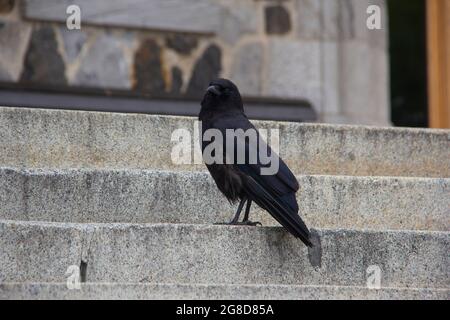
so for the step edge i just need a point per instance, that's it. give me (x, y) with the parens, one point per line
(92, 226)
(44, 171)
(337, 127)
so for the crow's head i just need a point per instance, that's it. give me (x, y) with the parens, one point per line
(222, 94)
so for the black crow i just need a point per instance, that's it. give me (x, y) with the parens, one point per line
(221, 110)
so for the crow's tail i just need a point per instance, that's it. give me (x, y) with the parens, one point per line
(280, 210)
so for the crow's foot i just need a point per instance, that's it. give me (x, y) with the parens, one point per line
(250, 223)
(243, 223)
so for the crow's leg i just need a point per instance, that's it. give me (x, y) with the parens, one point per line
(236, 216)
(247, 222)
(247, 210)
(238, 212)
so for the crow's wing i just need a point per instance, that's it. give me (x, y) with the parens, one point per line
(284, 180)
(274, 193)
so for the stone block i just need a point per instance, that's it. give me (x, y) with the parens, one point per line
(105, 64)
(247, 68)
(294, 70)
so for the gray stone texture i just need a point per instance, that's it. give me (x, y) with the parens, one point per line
(164, 253)
(309, 22)
(73, 41)
(146, 196)
(188, 15)
(353, 60)
(363, 69)
(294, 70)
(336, 19)
(59, 291)
(354, 64)
(375, 38)
(105, 64)
(4, 75)
(43, 62)
(230, 19)
(113, 213)
(332, 84)
(246, 71)
(37, 138)
(345, 20)
(237, 19)
(14, 37)
(34, 244)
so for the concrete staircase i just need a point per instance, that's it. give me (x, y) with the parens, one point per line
(100, 191)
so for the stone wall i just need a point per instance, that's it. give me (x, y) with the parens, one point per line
(319, 50)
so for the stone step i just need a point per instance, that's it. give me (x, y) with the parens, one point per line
(52, 291)
(199, 254)
(37, 138)
(146, 196)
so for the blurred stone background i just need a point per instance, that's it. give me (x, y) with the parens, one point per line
(318, 50)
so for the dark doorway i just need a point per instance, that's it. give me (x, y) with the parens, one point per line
(407, 38)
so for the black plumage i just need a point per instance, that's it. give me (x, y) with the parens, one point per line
(222, 109)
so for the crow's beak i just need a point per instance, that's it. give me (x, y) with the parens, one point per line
(214, 90)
